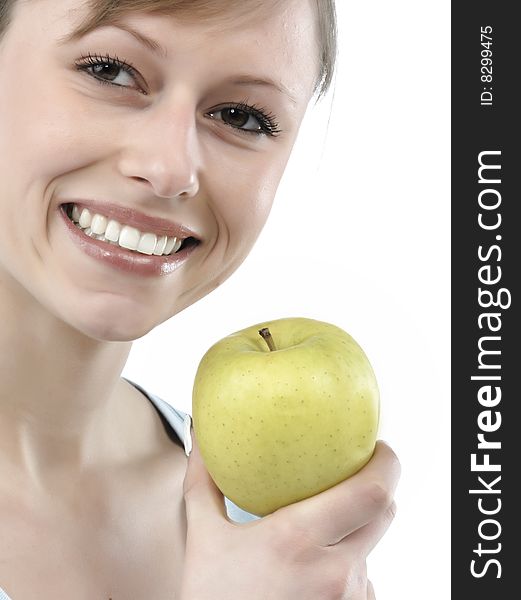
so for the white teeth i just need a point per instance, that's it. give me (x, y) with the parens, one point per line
(169, 245)
(129, 238)
(147, 243)
(160, 246)
(177, 245)
(111, 231)
(85, 218)
(76, 214)
(99, 224)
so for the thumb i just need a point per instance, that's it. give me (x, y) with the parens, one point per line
(204, 501)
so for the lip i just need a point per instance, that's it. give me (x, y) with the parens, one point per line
(134, 218)
(127, 260)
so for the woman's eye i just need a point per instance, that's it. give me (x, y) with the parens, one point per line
(239, 118)
(112, 71)
(247, 119)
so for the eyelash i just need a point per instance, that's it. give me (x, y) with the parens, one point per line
(95, 60)
(267, 120)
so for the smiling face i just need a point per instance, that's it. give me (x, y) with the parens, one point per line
(197, 132)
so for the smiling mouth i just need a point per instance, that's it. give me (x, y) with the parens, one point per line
(113, 232)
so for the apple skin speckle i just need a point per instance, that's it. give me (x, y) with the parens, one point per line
(307, 413)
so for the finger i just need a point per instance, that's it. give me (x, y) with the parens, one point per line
(360, 543)
(370, 591)
(337, 512)
(203, 500)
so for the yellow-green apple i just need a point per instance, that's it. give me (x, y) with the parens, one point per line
(283, 410)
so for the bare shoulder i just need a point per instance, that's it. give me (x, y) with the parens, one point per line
(154, 479)
(120, 530)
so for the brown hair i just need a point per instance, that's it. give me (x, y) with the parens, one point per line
(106, 11)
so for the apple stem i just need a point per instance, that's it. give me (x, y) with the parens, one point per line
(266, 336)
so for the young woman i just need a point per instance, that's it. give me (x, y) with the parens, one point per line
(141, 145)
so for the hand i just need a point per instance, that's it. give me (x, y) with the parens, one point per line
(313, 549)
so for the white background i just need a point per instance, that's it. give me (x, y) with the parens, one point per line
(359, 237)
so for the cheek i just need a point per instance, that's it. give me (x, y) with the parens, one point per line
(40, 140)
(42, 133)
(243, 188)
(244, 212)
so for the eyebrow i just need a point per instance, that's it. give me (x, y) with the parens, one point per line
(143, 39)
(157, 48)
(265, 82)
(140, 37)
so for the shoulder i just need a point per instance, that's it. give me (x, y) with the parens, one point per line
(177, 420)
(181, 423)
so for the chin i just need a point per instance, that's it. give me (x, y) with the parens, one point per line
(112, 323)
(115, 331)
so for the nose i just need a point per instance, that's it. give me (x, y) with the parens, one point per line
(160, 151)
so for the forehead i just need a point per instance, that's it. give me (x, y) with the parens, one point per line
(280, 35)
(223, 12)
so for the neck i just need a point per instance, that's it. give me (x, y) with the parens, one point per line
(59, 391)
